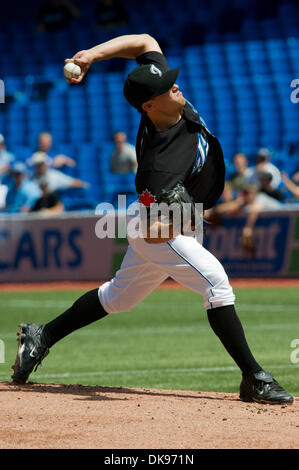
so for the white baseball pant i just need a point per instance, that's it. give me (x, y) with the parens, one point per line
(145, 266)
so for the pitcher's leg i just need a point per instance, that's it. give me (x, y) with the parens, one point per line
(257, 384)
(201, 271)
(195, 267)
(85, 310)
(132, 283)
(135, 280)
(35, 340)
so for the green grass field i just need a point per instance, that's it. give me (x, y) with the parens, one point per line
(165, 342)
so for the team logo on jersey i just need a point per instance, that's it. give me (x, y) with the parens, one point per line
(202, 151)
(147, 198)
(155, 70)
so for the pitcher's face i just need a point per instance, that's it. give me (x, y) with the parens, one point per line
(168, 103)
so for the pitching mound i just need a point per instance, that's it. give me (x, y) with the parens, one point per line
(56, 416)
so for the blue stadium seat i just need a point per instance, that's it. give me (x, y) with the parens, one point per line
(237, 68)
(58, 134)
(236, 79)
(270, 28)
(21, 152)
(13, 85)
(251, 28)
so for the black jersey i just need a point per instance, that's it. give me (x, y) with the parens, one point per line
(186, 152)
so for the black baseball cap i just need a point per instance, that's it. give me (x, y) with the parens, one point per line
(146, 82)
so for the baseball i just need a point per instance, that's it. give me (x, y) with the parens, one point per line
(71, 70)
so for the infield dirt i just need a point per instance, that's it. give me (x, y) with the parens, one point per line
(56, 416)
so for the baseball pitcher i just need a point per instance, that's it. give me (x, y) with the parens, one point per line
(179, 161)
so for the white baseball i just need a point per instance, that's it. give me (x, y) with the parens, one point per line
(71, 70)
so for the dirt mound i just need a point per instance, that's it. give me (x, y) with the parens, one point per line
(56, 416)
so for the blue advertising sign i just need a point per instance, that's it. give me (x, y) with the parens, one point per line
(67, 248)
(271, 235)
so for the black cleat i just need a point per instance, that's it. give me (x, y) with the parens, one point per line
(32, 349)
(261, 387)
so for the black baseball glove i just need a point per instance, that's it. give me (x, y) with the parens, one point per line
(183, 203)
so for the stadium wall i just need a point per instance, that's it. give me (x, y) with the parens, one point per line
(66, 248)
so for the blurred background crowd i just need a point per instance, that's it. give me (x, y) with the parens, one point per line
(68, 147)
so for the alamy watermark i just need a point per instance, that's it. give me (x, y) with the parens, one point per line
(158, 220)
(295, 93)
(2, 352)
(295, 354)
(2, 92)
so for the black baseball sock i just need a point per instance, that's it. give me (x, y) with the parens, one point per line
(227, 326)
(87, 309)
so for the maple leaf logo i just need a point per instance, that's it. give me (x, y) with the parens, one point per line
(146, 198)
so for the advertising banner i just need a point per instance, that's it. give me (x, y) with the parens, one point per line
(276, 238)
(53, 249)
(67, 248)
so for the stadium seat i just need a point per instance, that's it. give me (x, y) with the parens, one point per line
(239, 80)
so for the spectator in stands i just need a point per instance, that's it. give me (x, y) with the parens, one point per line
(249, 201)
(6, 158)
(266, 188)
(3, 194)
(252, 196)
(57, 180)
(290, 185)
(295, 177)
(49, 202)
(262, 164)
(123, 158)
(238, 195)
(254, 203)
(44, 145)
(56, 14)
(22, 193)
(230, 203)
(110, 14)
(237, 179)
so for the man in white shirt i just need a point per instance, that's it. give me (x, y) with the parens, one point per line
(57, 181)
(6, 158)
(3, 193)
(123, 159)
(263, 165)
(54, 160)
